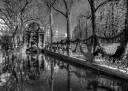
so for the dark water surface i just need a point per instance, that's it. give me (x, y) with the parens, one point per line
(44, 73)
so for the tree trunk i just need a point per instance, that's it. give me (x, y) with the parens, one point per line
(52, 75)
(127, 16)
(21, 26)
(51, 23)
(28, 40)
(121, 49)
(37, 41)
(93, 26)
(13, 42)
(123, 43)
(86, 31)
(68, 34)
(79, 24)
(69, 77)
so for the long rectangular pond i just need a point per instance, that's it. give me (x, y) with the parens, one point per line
(44, 73)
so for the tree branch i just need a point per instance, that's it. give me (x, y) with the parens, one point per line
(48, 5)
(5, 15)
(9, 6)
(26, 3)
(30, 19)
(55, 8)
(110, 38)
(79, 40)
(65, 3)
(89, 2)
(103, 3)
(87, 17)
(53, 2)
(5, 21)
(70, 5)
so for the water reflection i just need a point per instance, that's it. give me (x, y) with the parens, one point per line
(43, 73)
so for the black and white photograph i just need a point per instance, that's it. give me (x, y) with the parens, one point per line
(63, 45)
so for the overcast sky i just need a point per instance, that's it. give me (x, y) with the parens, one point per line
(61, 21)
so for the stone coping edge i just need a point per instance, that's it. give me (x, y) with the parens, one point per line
(105, 70)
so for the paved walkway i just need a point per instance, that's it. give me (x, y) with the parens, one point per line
(102, 63)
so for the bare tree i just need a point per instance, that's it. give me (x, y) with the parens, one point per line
(93, 9)
(8, 14)
(67, 4)
(49, 3)
(127, 13)
(16, 13)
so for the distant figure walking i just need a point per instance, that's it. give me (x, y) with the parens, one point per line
(88, 55)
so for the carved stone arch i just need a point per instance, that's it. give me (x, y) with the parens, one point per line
(34, 26)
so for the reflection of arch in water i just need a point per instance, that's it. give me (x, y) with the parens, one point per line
(28, 61)
(47, 63)
(32, 60)
(55, 66)
(41, 59)
(42, 62)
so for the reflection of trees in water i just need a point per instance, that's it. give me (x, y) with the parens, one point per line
(38, 75)
(33, 72)
(86, 78)
(89, 80)
(82, 82)
(112, 84)
(106, 82)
